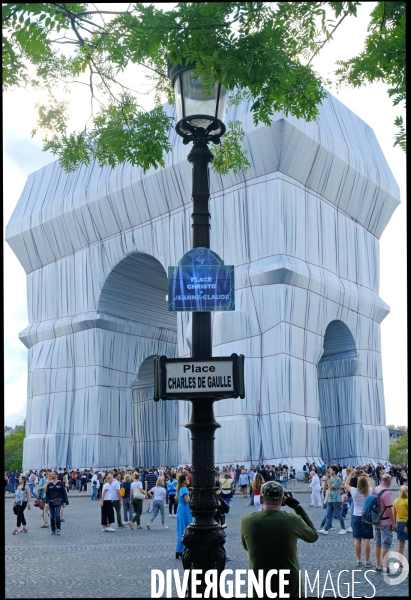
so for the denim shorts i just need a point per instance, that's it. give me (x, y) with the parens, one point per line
(401, 534)
(383, 536)
(361, 530)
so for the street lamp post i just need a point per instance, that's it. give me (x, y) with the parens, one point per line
(199, 121)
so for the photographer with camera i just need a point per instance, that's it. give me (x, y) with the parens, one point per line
(270, 536)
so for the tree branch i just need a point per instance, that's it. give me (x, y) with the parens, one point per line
(327, 38)
(71, 15)
(57, 41)
(102, 12)
(154, 70)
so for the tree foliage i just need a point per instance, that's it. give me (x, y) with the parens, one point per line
(383, 58)
(399, 451)
(259, 50)
(13, 448)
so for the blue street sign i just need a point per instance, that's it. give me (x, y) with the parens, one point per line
(201, 282)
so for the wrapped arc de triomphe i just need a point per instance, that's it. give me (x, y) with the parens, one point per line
(302, 229)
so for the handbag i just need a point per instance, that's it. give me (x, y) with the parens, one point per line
(122, 492)
(56, 501)
(138, 494)
(39, 503)
(16, 508)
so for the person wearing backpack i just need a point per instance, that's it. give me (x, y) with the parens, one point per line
(227, 488)
(127, 500)
(360, 488)
(384, 530)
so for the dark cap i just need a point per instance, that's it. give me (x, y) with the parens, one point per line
(272, 490)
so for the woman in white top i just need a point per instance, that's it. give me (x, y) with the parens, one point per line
(137, 495)
(158, 493)
(360, 530)
(107, 511)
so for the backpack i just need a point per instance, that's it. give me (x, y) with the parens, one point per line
(371, 511)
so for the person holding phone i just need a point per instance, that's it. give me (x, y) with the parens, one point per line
(362, 532)
(270, 536)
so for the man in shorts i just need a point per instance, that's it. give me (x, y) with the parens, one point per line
(383, 531)
(243, 481)
(236, 476)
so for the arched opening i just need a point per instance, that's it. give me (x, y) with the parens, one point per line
(135, 292)
(336, 369)
(155, 424)
(136, 289)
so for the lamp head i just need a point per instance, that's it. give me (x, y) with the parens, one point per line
(199, 113)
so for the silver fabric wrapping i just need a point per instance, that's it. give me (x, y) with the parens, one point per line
(301, 228)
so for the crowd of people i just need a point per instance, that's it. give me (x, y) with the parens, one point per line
(337, 489)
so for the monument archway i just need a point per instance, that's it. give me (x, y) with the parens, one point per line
(336, 371)
(136, 290)
(302, 230)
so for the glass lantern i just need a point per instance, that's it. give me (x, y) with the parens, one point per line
(196, 109)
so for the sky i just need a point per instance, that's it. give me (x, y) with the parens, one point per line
(22, 155)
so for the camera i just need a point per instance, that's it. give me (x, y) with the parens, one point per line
(288, 495)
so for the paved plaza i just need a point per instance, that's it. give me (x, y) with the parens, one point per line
(84, 562)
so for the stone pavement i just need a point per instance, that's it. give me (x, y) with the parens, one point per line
(84, 562)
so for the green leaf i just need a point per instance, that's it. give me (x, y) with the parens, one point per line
(230, 155)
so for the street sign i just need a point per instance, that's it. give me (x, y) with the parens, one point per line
(193, 378)
(201, 282)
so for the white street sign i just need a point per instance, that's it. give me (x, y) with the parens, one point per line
(199, 376)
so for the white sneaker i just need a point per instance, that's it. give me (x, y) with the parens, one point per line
(165, 527)
(148, 526)
(342, 532)
(323, 531)
(103, 529)
(349, 530)
(110, 529)
(170, 515)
